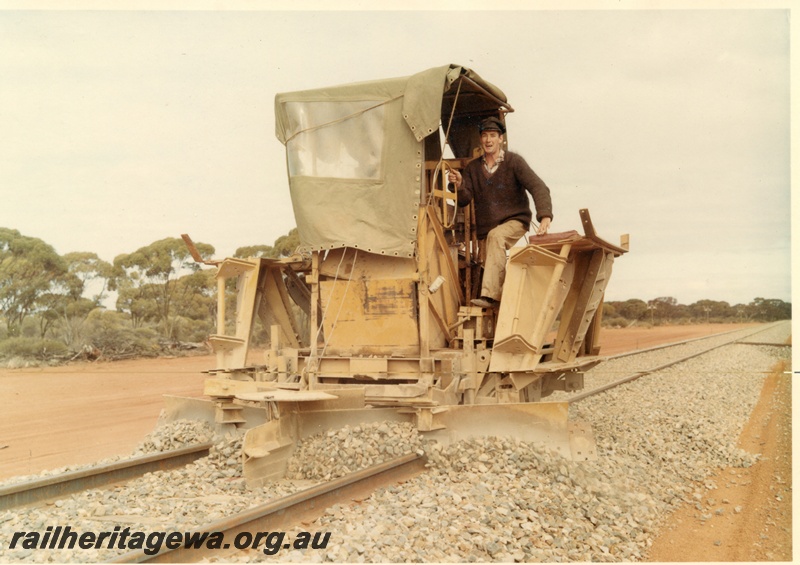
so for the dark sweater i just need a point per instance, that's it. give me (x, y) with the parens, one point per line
(503, 195)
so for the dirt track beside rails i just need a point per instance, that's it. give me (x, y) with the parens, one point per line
(84, 412)
(615, 341)
(752, 507)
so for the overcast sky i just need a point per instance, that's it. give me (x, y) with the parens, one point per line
(121, 128)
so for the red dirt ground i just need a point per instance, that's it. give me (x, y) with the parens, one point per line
(84, 412)
(754, 503)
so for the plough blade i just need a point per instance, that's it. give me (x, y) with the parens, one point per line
(268, 447)
(541, 423)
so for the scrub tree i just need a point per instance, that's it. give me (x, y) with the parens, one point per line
(146, 281)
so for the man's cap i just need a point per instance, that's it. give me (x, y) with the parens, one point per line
(492, 124)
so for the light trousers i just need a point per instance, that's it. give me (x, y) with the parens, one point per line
(498, 241)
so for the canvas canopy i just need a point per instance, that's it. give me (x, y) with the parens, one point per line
(355, 157)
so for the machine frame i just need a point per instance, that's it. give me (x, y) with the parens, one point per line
(385, 274)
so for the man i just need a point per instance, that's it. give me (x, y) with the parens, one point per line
(499, 184)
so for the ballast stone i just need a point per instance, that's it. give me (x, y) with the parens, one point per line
(335, 453)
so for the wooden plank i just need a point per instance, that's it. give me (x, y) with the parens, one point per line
(274, 307)
(422, 291)
(440, 239)
(573, 335)
(437, 317)
(588, 229)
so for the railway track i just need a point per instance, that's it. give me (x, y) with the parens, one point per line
(310, 503)
(290, 510)
(304, 505)
(40, 490)
(734, 336)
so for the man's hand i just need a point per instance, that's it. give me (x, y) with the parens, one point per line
(455, 177)
(543, 226)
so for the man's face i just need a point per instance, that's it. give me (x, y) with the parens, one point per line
(492, 141)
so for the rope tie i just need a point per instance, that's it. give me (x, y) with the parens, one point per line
(342, 119)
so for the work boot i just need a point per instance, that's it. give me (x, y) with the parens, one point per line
(485, 302)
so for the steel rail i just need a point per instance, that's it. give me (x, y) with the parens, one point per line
(285, 512)
(39, 490)
(639, 374)
(685, 341)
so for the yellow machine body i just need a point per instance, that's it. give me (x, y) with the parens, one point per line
(371, 319)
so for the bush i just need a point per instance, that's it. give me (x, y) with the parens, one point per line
(614, 322)
(112, 334)
(29, 328)
(195, 331)
(32, 348)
